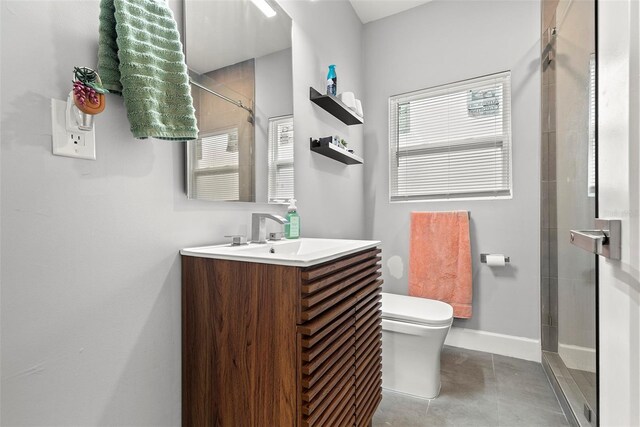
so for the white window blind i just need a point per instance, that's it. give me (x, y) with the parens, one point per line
(216, 168)
(591, 172)
(452, 141)
(280, 159)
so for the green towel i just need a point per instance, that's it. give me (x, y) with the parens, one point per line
(140, 56)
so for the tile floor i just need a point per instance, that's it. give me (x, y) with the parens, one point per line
(478, 389)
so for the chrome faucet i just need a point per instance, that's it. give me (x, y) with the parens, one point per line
(259, 226)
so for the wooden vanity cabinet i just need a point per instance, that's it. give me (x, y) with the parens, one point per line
(271, 345)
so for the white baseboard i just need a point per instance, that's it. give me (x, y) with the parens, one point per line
(576, 357)
(506, 345)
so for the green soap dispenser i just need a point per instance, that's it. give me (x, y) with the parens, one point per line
(292, 227)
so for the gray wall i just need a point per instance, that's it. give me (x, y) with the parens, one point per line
(274, 97)
(330, 193)
(438, 43)
(90, 308)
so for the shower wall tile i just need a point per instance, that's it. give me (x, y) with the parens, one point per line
(551, 167)
(552, 71)
(544, 301)
(551, 94)
(544, 205)
(546, 65)
(545, 73)
(576, 264)
(577, 322)
(549, 13)
(544, 252)
(544, 161)
(553, 252)
(544, 36)
(545, 109)
(549, 338)
(553, 339)
(577, 325)
(553, 301)
(552, 200)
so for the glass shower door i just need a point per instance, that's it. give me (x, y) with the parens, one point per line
(571, 186)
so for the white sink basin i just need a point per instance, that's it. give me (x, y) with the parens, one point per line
(302, 252)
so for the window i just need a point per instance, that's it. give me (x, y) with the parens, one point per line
(591, 171)
(280, 159)
(215, 168)
(452, 141)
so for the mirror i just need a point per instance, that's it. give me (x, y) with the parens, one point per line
(239, 62)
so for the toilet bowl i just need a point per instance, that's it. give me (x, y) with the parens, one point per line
(413, 334)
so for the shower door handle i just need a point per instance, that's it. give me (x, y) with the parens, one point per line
(605, 240)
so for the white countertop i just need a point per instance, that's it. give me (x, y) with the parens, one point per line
(302, 252)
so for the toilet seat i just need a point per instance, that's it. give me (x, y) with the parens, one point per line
(421, 311)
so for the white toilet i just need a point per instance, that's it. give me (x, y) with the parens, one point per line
(413, 333)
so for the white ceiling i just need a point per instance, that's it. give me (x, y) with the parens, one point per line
(370, 10)
(222, 33)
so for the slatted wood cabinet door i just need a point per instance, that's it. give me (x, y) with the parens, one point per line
(269, 345)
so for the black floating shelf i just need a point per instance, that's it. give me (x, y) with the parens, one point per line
(336, 153)
(335, 107)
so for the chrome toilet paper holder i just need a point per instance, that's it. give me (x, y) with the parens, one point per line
(483, 258)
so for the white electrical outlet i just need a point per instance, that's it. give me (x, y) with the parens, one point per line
(77, 139)
(68, 140)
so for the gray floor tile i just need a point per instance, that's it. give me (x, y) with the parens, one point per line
(523, 383)
(461, 409)
(510, 370)
(478, 389)
(466, 367)
(469, 391)
(400, 410)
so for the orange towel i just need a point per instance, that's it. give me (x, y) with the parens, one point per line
(440, 259)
